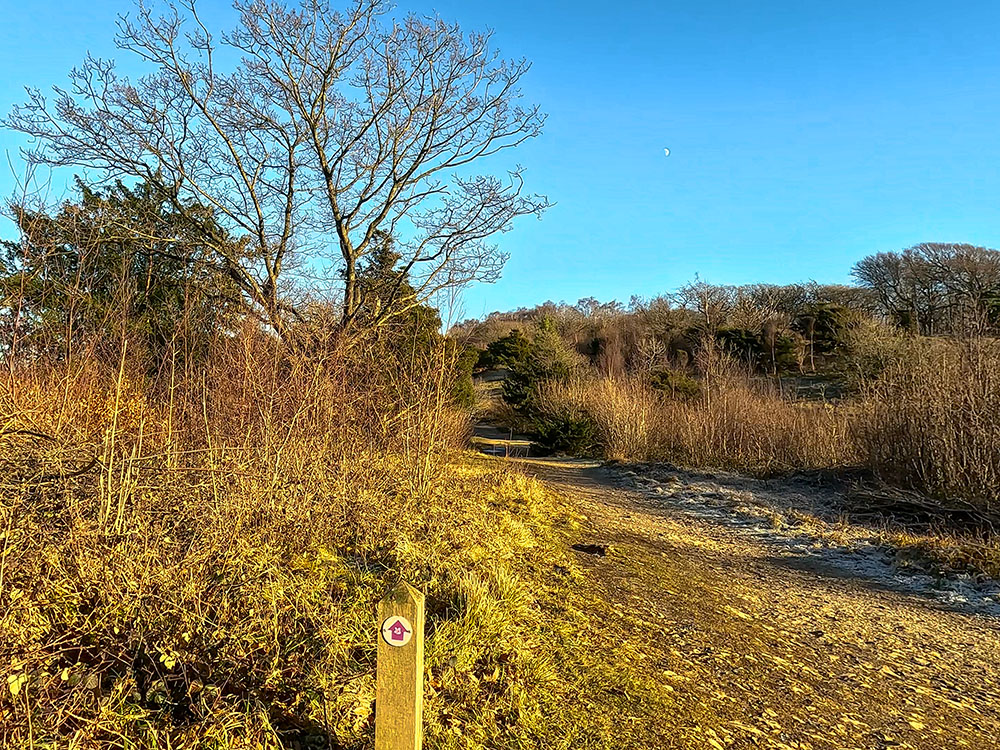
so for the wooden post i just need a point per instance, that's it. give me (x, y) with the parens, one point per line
(399, 693)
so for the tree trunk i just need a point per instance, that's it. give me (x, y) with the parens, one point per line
(350, 293)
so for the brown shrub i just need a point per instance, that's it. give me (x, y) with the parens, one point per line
(931, 421)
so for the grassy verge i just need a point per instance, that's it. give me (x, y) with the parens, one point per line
(232, 610)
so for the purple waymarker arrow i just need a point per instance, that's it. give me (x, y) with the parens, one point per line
(398, 631)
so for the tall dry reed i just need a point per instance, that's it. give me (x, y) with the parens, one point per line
(931, 422)
(736, 422)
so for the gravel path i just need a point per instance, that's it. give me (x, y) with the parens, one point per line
(780, 637)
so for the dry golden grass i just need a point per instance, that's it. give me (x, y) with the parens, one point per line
(196, 562)
(745, 426)
(945, 553)
(932, 421)
(929, 421)
(626, 413)
(735, 423)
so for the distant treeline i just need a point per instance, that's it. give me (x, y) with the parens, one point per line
(929, 289)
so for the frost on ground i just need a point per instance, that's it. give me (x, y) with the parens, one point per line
(796, 519)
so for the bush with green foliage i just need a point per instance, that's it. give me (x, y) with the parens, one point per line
(743, 344)
(823, 326)
(462, 391)
(676, 384)
(505, 352)
(573, 432)
(548, 358)
(118, 263)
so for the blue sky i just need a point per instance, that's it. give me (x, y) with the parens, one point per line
(803, 136)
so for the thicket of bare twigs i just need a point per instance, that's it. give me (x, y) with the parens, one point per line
(931, 422)
(194, 556)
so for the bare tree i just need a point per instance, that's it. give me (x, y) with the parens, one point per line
(332, 131)
(712, 303)
(969, 277)
(752, 306)
(662, 318)
(935, 287)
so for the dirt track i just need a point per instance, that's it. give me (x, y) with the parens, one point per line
(773, 650)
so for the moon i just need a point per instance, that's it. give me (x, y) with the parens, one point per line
(666, 152)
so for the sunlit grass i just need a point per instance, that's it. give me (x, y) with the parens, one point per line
(228, 597)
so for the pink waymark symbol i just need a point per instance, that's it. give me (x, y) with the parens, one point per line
(398, 631)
